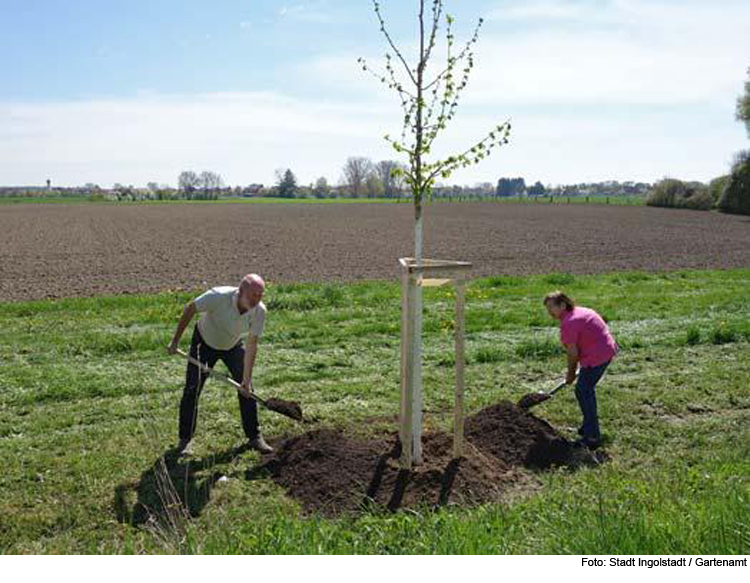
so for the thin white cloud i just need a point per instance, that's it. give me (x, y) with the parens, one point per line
(244, 136)
(310, 12)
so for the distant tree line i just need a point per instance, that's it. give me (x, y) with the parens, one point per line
(729, 193)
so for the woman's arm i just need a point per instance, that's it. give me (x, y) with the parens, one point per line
(572, 351)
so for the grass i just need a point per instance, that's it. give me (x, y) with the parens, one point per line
(89, 402)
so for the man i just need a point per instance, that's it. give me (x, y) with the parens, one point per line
(588, 342)
(227, 314)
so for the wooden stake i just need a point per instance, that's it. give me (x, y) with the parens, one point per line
(458, 410)
(405, 433)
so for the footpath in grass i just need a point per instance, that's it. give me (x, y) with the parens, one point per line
(89, 400)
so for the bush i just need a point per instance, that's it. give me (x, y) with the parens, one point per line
(678, 194)
(716, 187)
(736, 195)
(666, 193)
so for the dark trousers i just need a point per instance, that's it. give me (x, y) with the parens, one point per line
(234, 358)
(588, 376)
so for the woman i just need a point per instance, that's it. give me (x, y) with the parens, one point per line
(588, 342)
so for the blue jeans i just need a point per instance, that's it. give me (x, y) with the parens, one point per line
(588, 376)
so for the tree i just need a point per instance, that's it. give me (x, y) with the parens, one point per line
(321, 189)
(210, 183)
(188, 182)
(537, 189)
(743, 105)
(355, 171)
(391, 174)
(736, 195)
(286, 183)
(374, 187)
(511, 187)
(429, 103)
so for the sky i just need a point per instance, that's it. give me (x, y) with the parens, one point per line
(135, 91)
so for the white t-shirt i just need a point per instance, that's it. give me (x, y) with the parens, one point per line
(221, 325)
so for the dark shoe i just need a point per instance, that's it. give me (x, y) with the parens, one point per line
(588, 442)
(259, 444)
(185, 447)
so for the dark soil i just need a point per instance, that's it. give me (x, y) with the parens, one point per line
(291, 409)
(517, 437)
(84, 250)
(331, 471)
(532, 399)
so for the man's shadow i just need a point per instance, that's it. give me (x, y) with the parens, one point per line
(172, 490)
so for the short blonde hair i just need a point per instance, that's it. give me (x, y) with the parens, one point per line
(560, 299)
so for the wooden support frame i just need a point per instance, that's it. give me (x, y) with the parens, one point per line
(428, 273)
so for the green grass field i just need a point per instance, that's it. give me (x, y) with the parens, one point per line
(88, 405)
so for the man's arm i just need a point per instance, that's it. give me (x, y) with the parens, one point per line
(572, 351)
(251, 351)
(187, 315)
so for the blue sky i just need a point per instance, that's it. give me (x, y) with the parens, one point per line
(132, 92)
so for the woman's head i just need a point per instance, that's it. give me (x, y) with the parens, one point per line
(557, 303)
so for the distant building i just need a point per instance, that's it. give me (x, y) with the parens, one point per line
(252, 190)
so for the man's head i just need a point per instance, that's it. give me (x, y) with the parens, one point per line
(557, 303)
(251, 291)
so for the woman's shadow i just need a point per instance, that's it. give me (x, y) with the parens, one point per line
(171, 491)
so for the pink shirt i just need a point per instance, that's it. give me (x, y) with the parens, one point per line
(586, 329)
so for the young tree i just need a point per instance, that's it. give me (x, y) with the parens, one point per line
(429, 103)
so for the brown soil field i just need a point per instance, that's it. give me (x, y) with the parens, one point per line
(50, 251)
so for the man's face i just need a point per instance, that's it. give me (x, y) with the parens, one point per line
(250, 295)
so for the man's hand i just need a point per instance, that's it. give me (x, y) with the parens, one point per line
(570, 378)
(172, 348)
(246, 388)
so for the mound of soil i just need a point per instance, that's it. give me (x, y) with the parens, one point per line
(330, 471)
(517, 437)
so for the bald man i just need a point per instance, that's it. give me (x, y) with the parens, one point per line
(227, 314)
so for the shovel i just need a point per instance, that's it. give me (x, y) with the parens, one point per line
(533, 399)
(289, 409)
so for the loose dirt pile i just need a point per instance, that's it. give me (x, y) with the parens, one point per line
(330, 471)
(517, 437)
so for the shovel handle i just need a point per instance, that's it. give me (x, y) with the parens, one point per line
(558, 387)
(219, 376)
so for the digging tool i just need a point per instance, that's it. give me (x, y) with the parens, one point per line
(289, 409)
(533, 399)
